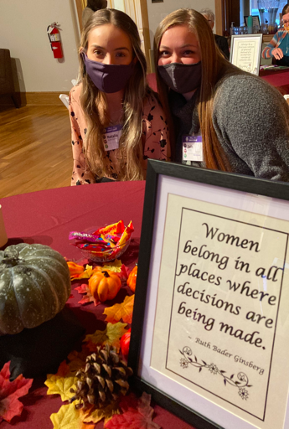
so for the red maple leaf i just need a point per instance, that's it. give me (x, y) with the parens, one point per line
(124, 272)
(87, 296)
(137, 415)
(10, 406)
(128, 402)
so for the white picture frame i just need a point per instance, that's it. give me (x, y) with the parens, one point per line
(245, 52)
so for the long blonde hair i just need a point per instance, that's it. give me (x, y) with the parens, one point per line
(136, 90)
(214, 67)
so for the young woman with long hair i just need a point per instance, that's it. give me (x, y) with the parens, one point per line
(116, 120)
(221, 117)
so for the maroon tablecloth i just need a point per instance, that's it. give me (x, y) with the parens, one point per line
(47, 217)
(277, 78)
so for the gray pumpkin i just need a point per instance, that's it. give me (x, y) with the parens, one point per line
(34, 286)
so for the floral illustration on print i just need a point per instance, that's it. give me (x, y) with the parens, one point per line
(242, 381)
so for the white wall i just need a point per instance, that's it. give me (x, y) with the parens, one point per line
(23, 31)
(23, 25)
(158, 11)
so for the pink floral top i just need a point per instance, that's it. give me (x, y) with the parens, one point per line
(154, 137)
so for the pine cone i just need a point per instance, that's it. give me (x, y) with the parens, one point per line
(103, 380)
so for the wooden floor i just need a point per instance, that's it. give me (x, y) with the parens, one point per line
(35, 149)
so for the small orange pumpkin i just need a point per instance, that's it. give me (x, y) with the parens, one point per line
(131, 281)
(104, 285)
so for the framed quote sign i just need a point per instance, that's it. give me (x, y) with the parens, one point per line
(245, 52)
(210, 331)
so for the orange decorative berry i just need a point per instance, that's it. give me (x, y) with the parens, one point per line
(104, 285)
(131, 281)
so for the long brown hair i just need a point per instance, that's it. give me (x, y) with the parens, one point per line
(97, 117)
(285, 9)
(214, 67)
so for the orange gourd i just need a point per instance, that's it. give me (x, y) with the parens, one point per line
(131, 281)
(104, 285)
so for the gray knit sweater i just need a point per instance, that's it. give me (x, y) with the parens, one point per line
(251, 120)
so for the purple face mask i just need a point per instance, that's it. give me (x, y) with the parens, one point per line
(108, 77)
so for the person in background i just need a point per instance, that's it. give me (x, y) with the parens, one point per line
(222, 118)
(278, 48)
(92, 6)
(220, 40)
(116, 120)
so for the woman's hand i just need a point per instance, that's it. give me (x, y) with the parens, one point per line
(277, 53)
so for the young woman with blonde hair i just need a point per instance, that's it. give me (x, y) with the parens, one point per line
(116, 120)
(222, 117)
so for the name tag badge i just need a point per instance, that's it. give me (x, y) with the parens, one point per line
(193, 148)
(112, 137)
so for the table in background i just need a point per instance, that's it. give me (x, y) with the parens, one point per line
(47, 217)
(277, 78)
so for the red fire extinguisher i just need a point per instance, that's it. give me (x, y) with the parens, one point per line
(55, 41)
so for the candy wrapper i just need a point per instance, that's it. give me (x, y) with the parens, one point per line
(104, 244)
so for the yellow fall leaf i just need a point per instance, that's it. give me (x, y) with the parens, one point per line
(60, 386)
(99, 337)
(88, 271)
(111, 335)
(98, 414)
(66, 418)
(120, 311)
(78, 271)
(76, 364)
(77, 359)
(114, 332)
(113, 266)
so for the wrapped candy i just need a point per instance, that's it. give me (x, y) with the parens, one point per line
(106, 242)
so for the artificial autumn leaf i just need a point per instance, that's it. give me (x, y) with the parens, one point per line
(144, 405)
(77, 359)
(88, 297)
(95, 415)
(63, 369)
(113, 266)
(75, 270)
(111, 335)
(124, 273)
(120, 311)
(128, 401)
(117, 267)
(87, 426)
(99, 337)
(114, 332)
(10, 391)
(78, 271)
(60, 386)
(135, 418)
(68, 417)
